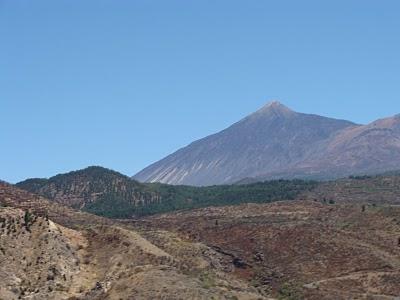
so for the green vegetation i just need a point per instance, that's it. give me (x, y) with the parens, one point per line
(110, 194)
(188, 197)
(112, 206)
(360, 177)
(290, 292)
(28, 220)
(207, 280)
(90, 185)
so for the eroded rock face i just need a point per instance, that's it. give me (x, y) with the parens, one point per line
(276, 142)
(38, 258)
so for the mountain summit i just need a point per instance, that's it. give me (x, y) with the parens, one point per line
(277, 142)
(275, 107)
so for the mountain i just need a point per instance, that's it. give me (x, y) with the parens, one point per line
(273, 140)
(359, 150)
(276, 142)
(373, 148)
(108, 193)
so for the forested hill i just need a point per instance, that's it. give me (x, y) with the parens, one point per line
(85, 188)
(108, 193)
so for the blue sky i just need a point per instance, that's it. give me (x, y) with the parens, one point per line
(123, 83)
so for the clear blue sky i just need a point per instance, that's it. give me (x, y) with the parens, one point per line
(123, 83)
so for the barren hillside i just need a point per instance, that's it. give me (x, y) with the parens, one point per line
(302, 249)
(100, 259)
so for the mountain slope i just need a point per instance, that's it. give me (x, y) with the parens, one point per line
(359, 150)
(272, 140)
(371, 148)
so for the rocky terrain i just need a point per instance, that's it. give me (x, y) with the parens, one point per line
(301, 249)
(48, 251)
(276, 142)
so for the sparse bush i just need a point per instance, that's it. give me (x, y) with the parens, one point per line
(207, 279)
(290, 292)
(28, 220)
